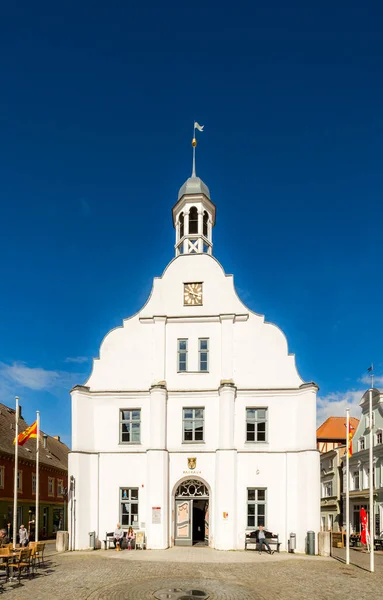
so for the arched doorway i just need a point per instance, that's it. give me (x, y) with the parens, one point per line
(191, 513)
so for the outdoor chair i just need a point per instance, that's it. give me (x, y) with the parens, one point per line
(5, 555)
(38, 553)
(21, 560)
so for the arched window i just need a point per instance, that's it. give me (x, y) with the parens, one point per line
(181, 220)
(193, 220)
(205, 220)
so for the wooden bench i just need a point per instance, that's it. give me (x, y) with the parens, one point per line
(109, 539)
(138, 542)
(272, 541)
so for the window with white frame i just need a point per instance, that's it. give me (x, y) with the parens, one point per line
(361, 443)
(379, 437)
(19, 480)
(51, 486)
(60, 487)
(129, 507)
(34, 484)
(256, 507)
(193, 424)
(130, 425)
(203, 354)
(327, 489)
(256, 424)
(355, 480)
(182, 355)
(2, 476)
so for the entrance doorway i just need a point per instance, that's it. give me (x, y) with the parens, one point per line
(191, 514)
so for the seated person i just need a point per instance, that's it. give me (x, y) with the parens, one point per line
(118, 535)
(130, 537)
(262, 540)
(3, 537)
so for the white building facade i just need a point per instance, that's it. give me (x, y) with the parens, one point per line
(194, 426)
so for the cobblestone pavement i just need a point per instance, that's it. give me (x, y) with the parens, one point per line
(137, 575)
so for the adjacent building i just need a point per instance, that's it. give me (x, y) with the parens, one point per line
(331, 442)
(332, 433)
(53, 479)
(198, 426)
(359, 464)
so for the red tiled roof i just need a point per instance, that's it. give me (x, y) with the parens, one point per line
(334, 428)
(55, 454)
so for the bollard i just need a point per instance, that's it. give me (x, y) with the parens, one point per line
(310, 543)
(292, 542)
(92, 540)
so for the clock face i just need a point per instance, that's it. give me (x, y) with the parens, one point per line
(193, 294)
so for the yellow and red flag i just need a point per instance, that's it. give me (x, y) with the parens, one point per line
(349, 439)
(30, 432)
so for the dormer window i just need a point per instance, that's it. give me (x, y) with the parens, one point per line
(193, 220)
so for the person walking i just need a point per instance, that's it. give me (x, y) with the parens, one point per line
(23, 536)
(262, 541)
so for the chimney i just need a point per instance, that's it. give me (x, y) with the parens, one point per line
(45, 437)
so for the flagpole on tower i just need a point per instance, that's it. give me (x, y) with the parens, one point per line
(14, 534)
(194, 144)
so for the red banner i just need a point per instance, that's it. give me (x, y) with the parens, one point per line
(363, 522)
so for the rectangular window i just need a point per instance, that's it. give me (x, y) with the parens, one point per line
(129, 507)
(19, 480)
(256, 507)
(355, 480)
(2, 476)
(327, 490)
(361, 443)
(193, 424)
(182, 358)
(256, 423)
(33, 483)
(203, 351)
(130, 426)
(379, 437)
(51, 486)
(60, 487)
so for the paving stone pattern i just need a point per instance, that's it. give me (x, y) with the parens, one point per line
(224, 576)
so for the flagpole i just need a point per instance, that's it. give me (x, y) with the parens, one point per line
(372, 519)
(194, 143)
(37, 477)
(14, 534)
(348, 488)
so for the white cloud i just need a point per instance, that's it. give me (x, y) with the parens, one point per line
(33, 378)
(366, 379)
(19, 375)
(77, 359)
(335, 404)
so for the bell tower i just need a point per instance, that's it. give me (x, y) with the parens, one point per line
(194, 214)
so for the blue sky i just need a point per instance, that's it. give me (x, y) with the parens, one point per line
(96, 112)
